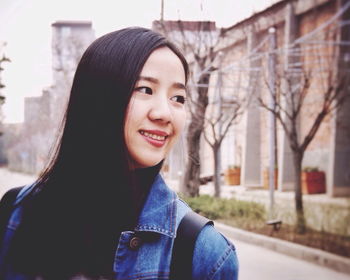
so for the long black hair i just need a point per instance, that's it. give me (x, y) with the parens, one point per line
(84, 199)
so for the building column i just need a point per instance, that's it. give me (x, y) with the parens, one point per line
(285, 161)
(251, 155)
(338, 179)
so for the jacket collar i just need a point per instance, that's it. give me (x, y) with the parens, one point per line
(159, 212)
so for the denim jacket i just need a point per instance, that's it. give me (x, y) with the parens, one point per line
(145, 252)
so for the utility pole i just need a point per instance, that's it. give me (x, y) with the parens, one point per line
(272, 118)
(162, 11)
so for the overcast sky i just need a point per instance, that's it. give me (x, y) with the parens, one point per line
(25, 25)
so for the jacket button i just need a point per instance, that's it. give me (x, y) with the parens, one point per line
(135, 243)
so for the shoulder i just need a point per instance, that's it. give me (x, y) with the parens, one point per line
(214, 256)
(14, 205)
(182, 209)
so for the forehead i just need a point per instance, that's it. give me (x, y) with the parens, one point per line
(164, 62)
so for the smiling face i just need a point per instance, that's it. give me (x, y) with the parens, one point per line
(156, 113)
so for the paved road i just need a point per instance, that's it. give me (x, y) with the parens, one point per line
(263, 264)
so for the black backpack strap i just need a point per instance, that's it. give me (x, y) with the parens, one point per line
(187, 233)
(6, 207)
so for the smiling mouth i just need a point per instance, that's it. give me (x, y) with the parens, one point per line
(155, 139)
(153, 136)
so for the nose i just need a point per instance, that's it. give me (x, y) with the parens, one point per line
(160, 110)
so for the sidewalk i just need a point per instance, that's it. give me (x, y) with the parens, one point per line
(283, 254)
(256, 262)
(9, 179)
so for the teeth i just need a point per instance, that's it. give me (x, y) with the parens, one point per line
(153, 136)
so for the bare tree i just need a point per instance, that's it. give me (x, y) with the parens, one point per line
(223, 111)
(314, 88)
(2, 97)
(200, 43)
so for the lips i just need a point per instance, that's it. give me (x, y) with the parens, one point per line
(156, 138)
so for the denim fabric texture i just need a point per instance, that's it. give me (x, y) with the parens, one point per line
(145, 252)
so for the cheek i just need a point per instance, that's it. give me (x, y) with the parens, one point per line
(180, 121)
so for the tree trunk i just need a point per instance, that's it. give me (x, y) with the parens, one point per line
(217, 171)
(191, 181)
(301, 224)
(192, 172)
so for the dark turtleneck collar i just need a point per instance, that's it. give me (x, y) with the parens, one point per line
(143, 180)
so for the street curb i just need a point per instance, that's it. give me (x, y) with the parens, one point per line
(316, 256)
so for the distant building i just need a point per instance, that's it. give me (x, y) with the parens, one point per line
(27, 145)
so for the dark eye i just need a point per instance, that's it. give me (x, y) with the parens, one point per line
(145, 90)
(179, 98)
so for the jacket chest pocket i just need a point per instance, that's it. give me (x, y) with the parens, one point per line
(143, 256)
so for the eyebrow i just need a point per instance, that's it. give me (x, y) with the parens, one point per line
(156, 81)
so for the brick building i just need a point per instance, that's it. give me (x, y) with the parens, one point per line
(306, 35)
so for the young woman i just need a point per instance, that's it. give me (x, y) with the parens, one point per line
(101, 210)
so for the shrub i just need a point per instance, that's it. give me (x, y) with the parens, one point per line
(221, 208)
(310, 169)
